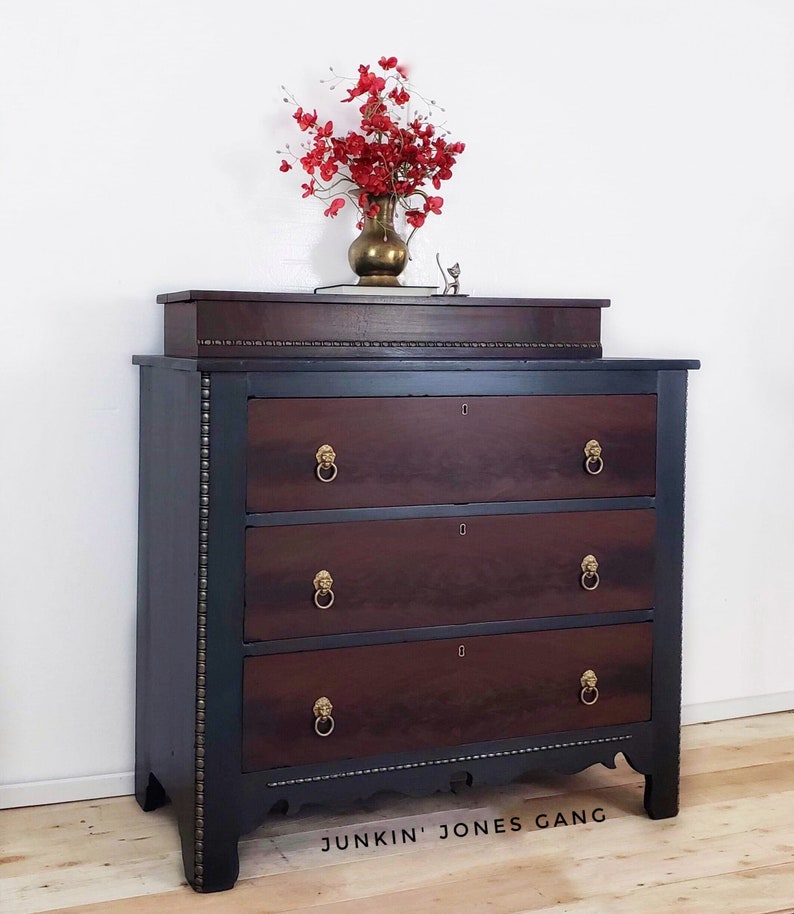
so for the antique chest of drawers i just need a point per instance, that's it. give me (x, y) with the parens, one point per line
(395, 571)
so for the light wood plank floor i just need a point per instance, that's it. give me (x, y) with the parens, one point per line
(730, 851)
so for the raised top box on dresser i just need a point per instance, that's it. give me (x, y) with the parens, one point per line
(338, 554)
(296, 325)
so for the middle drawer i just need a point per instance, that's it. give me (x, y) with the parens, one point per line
(409, 573)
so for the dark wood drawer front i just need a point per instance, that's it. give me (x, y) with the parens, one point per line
(395, 574)
(423, 695)
(442, 450)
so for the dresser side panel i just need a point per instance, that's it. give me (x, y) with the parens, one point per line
(663, 781)
(168, 566)
(179, 325)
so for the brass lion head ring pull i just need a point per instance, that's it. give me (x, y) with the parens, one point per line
(326, 469)
(590, 579)
(323, 582)
(589, 693)
(594, 462)
(323, 722)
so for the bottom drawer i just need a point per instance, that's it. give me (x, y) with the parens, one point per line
(430, 694)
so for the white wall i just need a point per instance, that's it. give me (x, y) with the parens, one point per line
(639, 151)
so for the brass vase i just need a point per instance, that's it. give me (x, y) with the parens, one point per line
(379, 255)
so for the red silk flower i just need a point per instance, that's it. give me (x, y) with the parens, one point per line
(387, 154)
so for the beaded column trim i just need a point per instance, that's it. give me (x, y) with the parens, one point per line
(201, 633)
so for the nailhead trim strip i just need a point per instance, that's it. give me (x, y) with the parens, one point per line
(446, 761)
(402, 344)
(201, 633)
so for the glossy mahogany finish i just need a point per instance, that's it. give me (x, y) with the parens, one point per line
(447, 450)
(297, 325)
(412, 696)
(417, 572)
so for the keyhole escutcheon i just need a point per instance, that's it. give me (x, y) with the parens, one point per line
(462, 650)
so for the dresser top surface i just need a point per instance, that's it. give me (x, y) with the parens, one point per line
(382, 298)
(451, 364)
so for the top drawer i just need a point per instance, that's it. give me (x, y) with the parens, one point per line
(447, 450)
